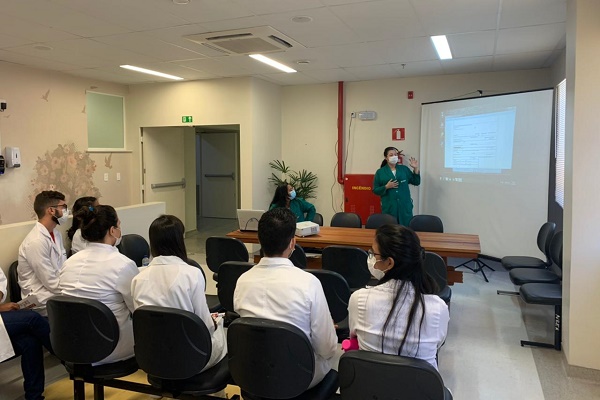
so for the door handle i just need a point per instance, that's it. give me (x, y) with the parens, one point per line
(168, 184)
(232, 176)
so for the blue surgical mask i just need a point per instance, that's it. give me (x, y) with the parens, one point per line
(292, 194)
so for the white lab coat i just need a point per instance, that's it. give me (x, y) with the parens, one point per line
(78, 243)
(40, 262)
(6, 348)
(101, 273)
(171, 282)
(368, 310)
(277, 290)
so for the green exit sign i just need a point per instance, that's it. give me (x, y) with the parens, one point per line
(187, 119)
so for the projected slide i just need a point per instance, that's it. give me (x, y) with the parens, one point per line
(481, 143)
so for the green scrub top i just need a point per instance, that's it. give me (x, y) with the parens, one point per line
(396, 201)
(302, 209)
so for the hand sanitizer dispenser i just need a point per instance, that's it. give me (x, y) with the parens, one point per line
(13, 157)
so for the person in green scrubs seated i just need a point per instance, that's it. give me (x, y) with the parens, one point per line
(391, 184)
(285, 196)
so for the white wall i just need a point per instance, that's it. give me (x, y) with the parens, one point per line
(309, 120)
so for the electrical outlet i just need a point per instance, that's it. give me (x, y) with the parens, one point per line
(106, 177)
(352, 115)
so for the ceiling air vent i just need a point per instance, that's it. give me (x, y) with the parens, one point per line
(262, 39)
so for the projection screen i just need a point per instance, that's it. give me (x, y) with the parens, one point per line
(484, 168)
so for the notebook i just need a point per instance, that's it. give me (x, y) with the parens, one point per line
(248, 219)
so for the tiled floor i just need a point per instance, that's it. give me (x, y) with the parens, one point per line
(482, 358)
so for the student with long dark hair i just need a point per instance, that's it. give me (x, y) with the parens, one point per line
(391, 184)
(74, 232)
(400, 315)
(169, 281)
(285, 197)
(100, 272)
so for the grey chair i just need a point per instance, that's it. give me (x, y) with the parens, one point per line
(547, 294)
(436, 268)
(350, 262)
(552, 274)
(370, 375)
(135, 247)
(229, 273)
(544, 238)
(346, 220)
(274, 360)
(318, 219)
(376, 220)
(173, 346)
(426, 223)
(220, 249)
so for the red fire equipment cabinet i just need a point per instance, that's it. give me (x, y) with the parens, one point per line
(359, 197)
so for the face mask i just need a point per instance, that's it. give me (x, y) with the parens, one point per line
(292, 194)
(393, 160)
(377, 273)
(64, 218)
(118, 242)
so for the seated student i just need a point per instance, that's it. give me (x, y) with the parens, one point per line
(23, 333)
(285, 196)
(275, 289)
(100, 272)
(169, 281)
(400, 315)
(42, 254)
(74, 232)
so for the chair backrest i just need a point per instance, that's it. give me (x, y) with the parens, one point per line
(426, 223)
(376, 220)
(346, 220)
(82, 331)
(318, 219)
(135, 247)
(195, 263)
(337, 292)
(170, 343)
(220, 249)
(229, 273)
(298, 257)
(13, 283)
(544, 239)
(348, 261)
(436, 268)
(269, 359)
(556, 249)
(370, 375)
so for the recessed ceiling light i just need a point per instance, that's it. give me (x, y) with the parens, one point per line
(302, 62)
(302, 19)
(272, 63)
(181, 2)
(43, 47)
(151, 72)
(441, 46)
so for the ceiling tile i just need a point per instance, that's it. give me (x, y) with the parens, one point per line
(352, 55)
(289, 79)
(380, 20)
(419, 68)
(529, 60)
(531, 38)
(472, 44)
(53, 15)
(214, 66)
(18, 27)
(58, 54)
(314, 56)
(11, 41)
(406, 50)
(259, 7)
(442, 17)
(467, 65)
(101, 75)
(518, 13)
(36, 62)
(198, 11)
(373, 72)
(150, 46)
(109, 54)
(331, 75)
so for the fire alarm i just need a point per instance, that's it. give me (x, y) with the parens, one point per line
(410, 94)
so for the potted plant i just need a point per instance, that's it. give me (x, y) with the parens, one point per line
(305, 182)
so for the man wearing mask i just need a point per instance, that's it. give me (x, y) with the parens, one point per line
(42, 253)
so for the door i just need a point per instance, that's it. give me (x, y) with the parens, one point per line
(163, 168)
(220, 174)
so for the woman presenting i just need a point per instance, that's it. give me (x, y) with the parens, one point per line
(391, 183)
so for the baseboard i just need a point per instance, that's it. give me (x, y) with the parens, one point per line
(573, 371)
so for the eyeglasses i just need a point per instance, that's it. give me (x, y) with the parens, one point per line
(372, 254)
(63, 206)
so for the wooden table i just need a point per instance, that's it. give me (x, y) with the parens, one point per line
(444, 244)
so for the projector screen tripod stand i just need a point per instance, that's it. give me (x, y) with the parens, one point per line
(480, 266)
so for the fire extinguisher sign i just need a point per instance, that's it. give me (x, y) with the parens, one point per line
(398, 134)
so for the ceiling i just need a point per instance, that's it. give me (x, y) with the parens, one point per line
(345, 40)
